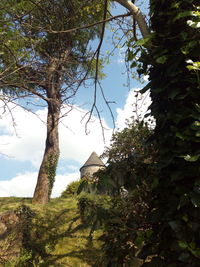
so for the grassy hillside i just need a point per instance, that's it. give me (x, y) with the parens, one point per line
(57, 237)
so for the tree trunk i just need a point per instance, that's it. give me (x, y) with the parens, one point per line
(48, 166)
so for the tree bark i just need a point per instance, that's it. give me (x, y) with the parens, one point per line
(48, 166)
(47, 172)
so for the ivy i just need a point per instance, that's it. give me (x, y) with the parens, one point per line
(173, 67)
(51, 167)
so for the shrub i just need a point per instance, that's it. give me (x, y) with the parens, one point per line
(93, 208)
(71, 189)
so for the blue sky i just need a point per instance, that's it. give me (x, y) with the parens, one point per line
(22, 146)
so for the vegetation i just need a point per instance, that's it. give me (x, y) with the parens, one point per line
(42, 54)
(130, 159)
(53, 235)
(71, 189)
(174, 84)
(120, 206)
(147, 200)
(105, 223)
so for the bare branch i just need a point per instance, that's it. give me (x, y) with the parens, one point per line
(97, 63)
(93, 24)
(5, 99)
(108, 104)
(28, 89)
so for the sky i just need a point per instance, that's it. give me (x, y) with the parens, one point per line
(22, 133)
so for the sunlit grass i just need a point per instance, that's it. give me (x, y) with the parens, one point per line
(59, 223)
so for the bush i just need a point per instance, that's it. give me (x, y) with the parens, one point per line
(93, 208)
(71, 189)
(123, 227)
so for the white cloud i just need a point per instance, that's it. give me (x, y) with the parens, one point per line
(75, 144)
(23, 185)
(25, 141)
(136, 107)
(28, 144)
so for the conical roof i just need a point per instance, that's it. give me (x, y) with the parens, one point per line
(93, 160)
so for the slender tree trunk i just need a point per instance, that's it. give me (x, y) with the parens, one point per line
(48, 166)
(47, 172)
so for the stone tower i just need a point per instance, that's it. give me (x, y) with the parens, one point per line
(92, 165)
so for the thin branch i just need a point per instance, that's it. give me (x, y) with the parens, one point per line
(32, 91)
(108, 104)
(43, 10)
(6, 100)
(10, 100)
(101, 124)
(97, 62)
(134, 30)
(93, 24)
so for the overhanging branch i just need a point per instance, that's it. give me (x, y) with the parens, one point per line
(135, 11)
(93, 24)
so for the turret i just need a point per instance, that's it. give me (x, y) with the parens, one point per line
(92, 165)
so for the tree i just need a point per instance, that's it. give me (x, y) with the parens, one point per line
(38, 58)
(129, 159)
(171, 58)
(34, 54)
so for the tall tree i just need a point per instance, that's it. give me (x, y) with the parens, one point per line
(40, 58)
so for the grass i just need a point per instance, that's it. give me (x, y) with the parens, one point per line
(57, 234)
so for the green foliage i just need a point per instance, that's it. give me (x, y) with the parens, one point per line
(124, 225)
(51, 166)
(21, 261)
(124, 232)
(33, 35)
(93, 209)
(130, 159)
(122, 213)
(131, 140)
(71, 189)
(43, 55)
(172, 64)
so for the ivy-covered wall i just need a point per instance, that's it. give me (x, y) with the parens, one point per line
(175, 91)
